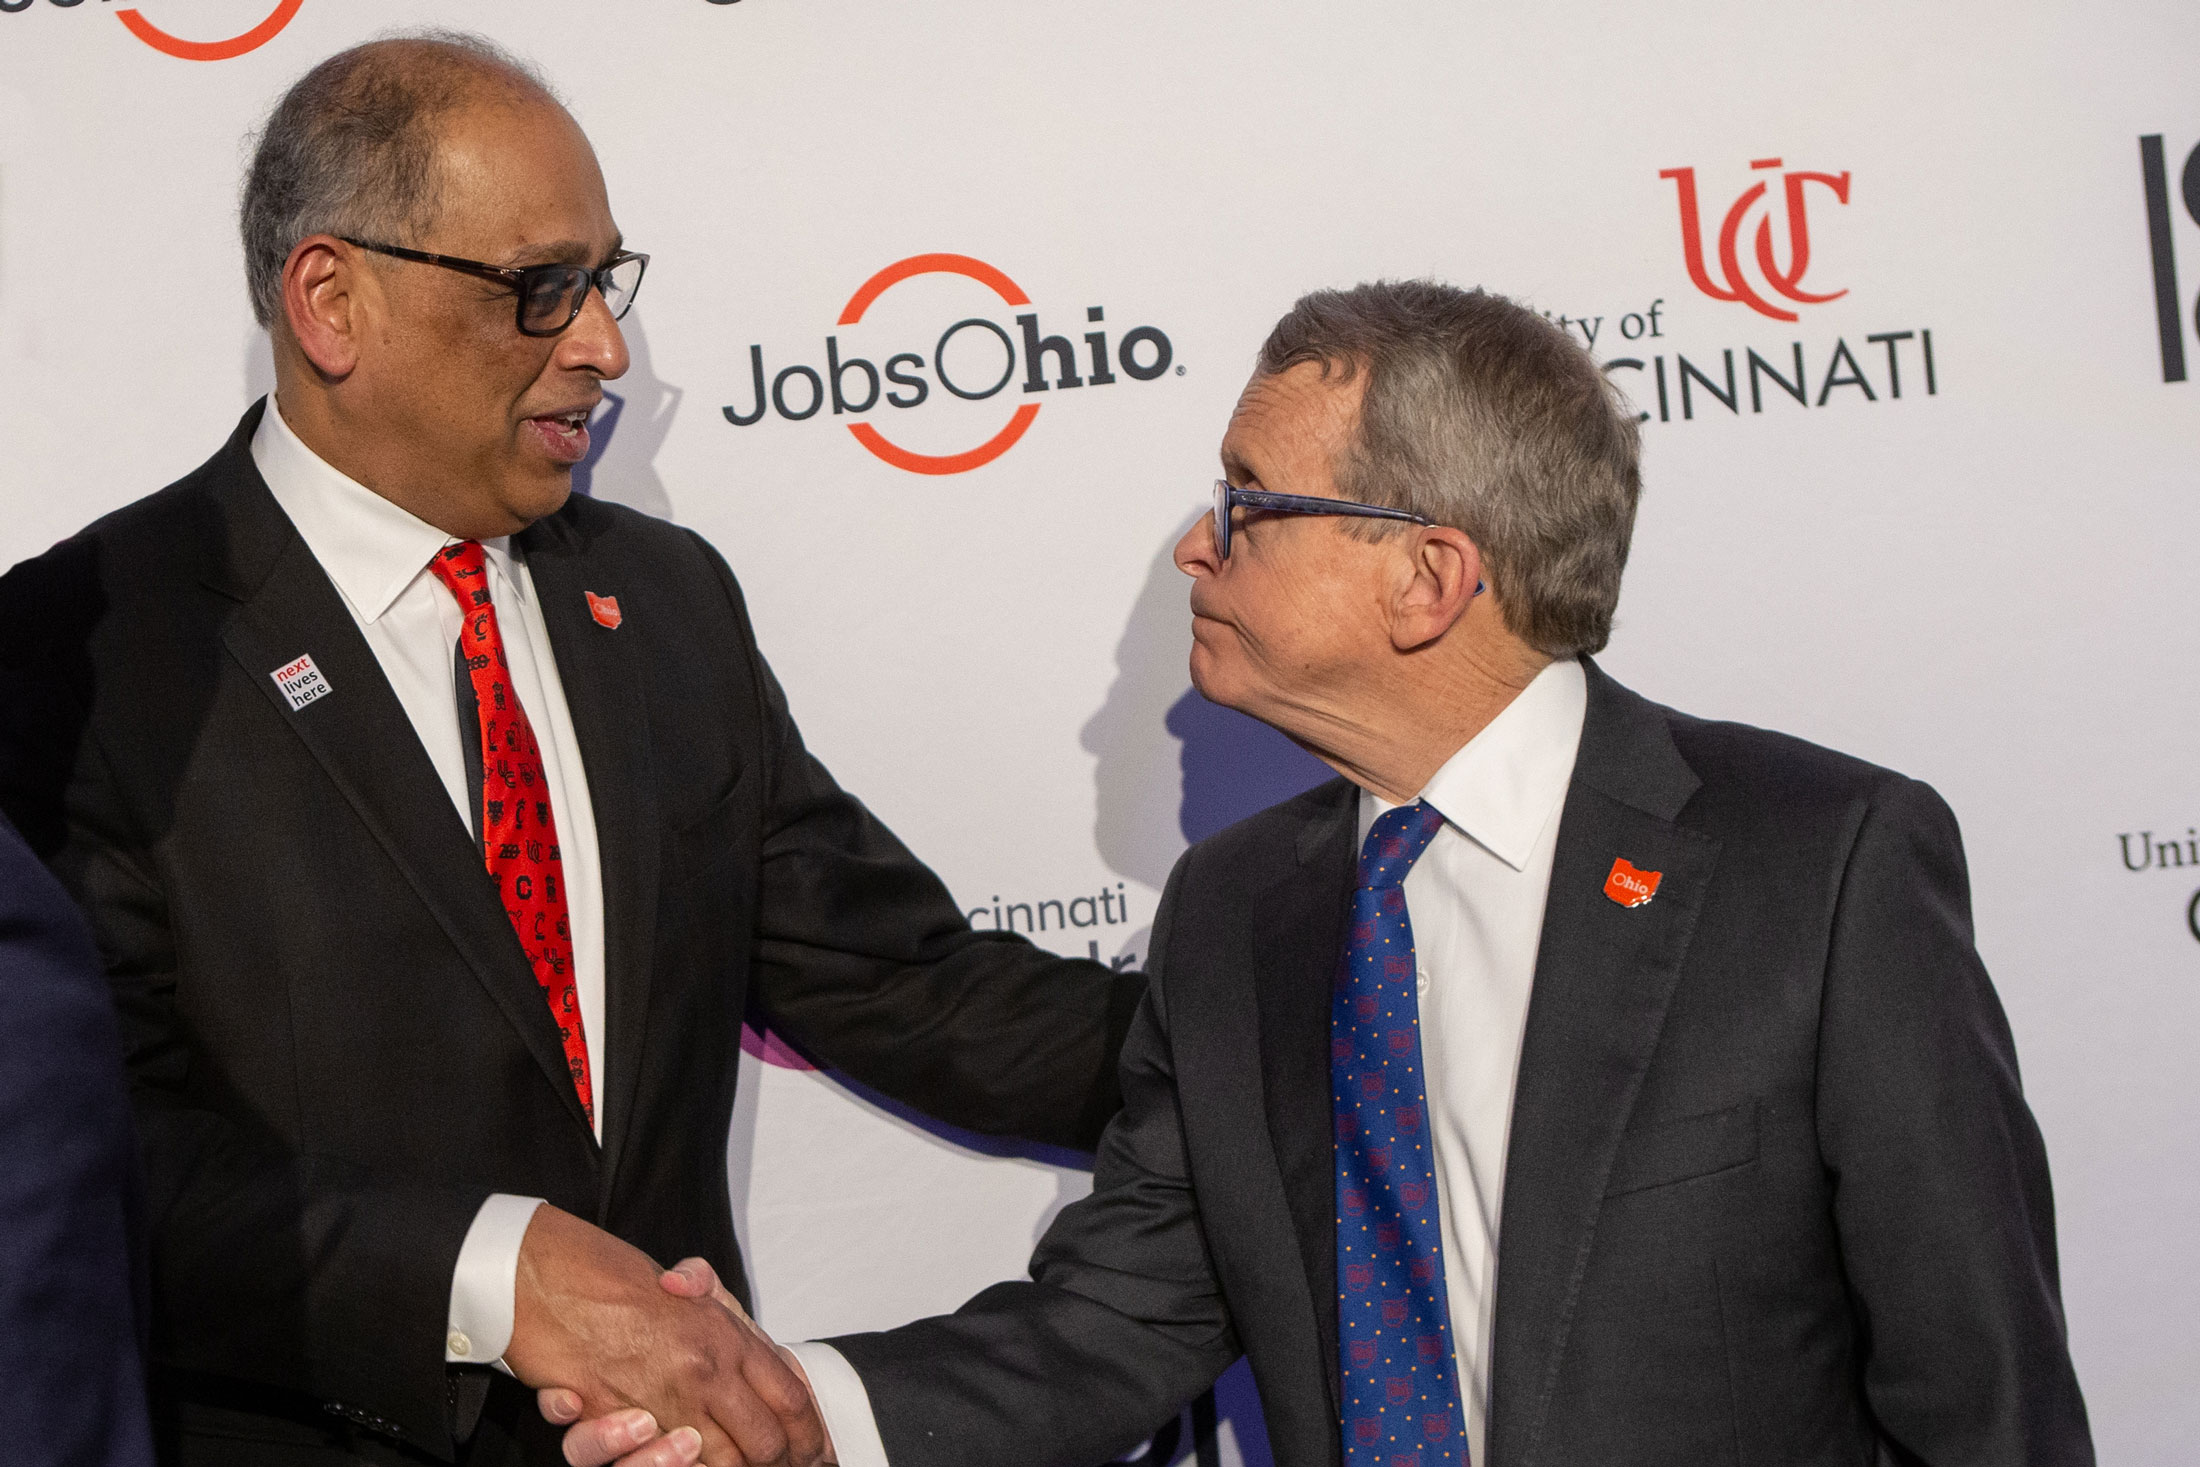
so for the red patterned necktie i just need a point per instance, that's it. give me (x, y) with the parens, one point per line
(519, 832)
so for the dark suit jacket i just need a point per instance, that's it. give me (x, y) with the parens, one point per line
(337, 1046)
(1772, 1194)
(72, 1372)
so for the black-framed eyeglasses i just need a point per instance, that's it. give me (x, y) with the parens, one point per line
(550, 296)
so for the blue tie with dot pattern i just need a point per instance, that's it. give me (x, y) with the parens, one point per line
(1401, 1380)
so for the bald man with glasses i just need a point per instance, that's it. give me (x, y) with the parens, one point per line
(439, 827)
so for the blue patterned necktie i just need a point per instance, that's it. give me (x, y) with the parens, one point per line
(1401, 1379)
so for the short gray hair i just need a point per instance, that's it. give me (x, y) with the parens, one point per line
(351, 147)
(1482, 415)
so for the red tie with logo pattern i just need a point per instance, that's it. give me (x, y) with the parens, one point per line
(519, 831)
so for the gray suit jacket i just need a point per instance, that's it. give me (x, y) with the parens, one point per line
(1772, 1194)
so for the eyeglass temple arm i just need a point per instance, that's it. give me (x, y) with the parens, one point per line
(1314, 504)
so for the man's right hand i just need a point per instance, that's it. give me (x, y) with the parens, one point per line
(590, 1316)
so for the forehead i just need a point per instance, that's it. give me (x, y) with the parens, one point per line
(1291, 426)
(518, 176)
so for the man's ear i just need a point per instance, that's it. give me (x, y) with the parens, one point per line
(1441, 576)
(322, 301)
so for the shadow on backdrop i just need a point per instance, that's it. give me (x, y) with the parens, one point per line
(1170, 768)
(627, 432)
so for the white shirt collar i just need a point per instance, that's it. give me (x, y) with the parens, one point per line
(1506, 784)
(370, 548)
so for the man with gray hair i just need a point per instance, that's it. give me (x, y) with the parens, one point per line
(439, 827)
(1574, 1082)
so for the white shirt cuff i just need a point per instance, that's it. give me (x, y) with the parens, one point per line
(485, 1280)
(844, 1403)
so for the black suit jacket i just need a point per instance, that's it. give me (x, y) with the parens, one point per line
(337, 1046)
(71, 1269)
(1772, 1194)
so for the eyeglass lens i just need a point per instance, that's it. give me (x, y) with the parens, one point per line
(554, 295)
(1222, 519)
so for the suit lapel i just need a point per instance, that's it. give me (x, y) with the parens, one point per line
(1604, 975)
(1295, 945)
(363, 741)
(604, 694)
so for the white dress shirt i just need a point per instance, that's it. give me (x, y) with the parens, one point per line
(1476, 900)
(377, 554)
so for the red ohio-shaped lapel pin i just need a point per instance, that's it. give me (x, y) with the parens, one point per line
(605, 609)
(1629, 887)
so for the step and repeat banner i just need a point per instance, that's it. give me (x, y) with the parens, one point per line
(948, 305)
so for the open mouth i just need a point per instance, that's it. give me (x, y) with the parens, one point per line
(564, 435)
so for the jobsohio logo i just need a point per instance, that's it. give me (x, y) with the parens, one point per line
(191, 31)
(921, 334)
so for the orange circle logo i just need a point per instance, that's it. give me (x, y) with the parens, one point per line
(892, 452)
(251, 40)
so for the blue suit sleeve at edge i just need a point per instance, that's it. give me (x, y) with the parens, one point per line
(72, 1279)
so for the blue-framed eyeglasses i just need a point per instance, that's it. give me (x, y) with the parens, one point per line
(1228, 497)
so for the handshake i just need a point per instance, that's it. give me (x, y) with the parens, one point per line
(650, 1368)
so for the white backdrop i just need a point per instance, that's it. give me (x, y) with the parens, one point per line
(1976, 580)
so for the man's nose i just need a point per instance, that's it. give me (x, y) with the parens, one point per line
(594, 343)
(1196, 554)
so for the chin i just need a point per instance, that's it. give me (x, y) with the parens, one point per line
(539, 498)
(1213, 679)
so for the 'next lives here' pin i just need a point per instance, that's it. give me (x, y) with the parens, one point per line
(301, 682)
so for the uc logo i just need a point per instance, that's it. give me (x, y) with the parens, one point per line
(1735, 283)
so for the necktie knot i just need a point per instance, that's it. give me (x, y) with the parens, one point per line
(1395, 841)
(462, 567)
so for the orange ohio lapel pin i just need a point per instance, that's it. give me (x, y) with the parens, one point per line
(605, 609)
(1629, 887)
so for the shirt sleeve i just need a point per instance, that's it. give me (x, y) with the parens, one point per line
(483, 1283)
(844, 1403)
